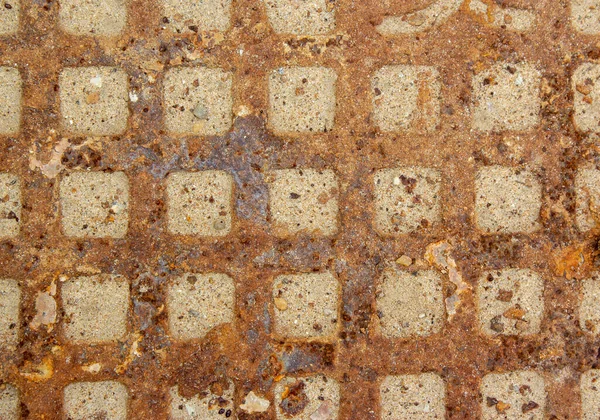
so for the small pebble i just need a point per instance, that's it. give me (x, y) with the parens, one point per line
(116, 208)
(281, 304)
(519, 80)
(255, 404)
(584, 89)
(92, 98)
(200, 112)
(96, 81)
(219, 225)
(404, 260)
(501, 407)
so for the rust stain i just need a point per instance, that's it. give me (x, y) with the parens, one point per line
(573, 262)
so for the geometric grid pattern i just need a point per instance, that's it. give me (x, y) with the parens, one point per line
(460, 43)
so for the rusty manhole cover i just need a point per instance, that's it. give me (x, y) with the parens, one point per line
(299, 209)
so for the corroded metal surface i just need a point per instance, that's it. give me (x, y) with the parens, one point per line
(148, 362)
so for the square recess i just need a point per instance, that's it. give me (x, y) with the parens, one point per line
(205, 405)
(513, 395)
(410, 303)
(587, 188)
(413, 397)
(585, 16)
(312, 17)
(510, 302)
(9, 17)
(96, 400)
(206, 15)
(406, 98)
(303, 200)
(586, 97)
(589, 306)
(10, 100)
(10, 307)
(306, 305)
(93, 17)
(10, 205)
(200, 203)
(198, 101)
(95, 204)
(10, 409)
(197, 303)
(507, 200)
(507, 97)
(94, 100)
(302, 99)
(406, 199)
(318, 394)
(590, 394)
(95, 308)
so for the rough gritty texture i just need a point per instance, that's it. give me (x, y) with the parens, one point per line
(589, 307)
(422, 18)
(510, 302)
(197, 101)
(406, 98)
(510, 396)
(10, 100)
(9, 402)
(10, 205)
(410, 303)
(200, 203)
(507, 200)
(96, 400)
(197, 303)
(95, 308)
(302, 99)
(9, 17)
(10, 302)
(94, 204)
(587, 184)
(412, 397)
(203, 406)
(307, 398)
(93, 17)
(94, 100)
(586, 97)
(303, 200)
(590, 394)
(190, 16)
(306, 305)
(406, 200)
(307, 17)
(507, 97)
(513, 19)
(585, 16)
